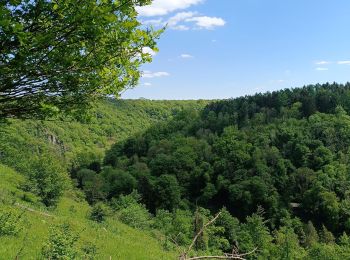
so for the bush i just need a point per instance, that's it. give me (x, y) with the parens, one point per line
(177, 225)
(61, 243)
(89, 251)
(9, 223)
(47, 179)
(117, 182)
(131, 212)
(99, 212)
(136, 216)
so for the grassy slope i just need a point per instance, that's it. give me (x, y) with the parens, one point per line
(111, 238)
(70, 144)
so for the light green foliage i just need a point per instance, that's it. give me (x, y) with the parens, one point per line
(61, 243)
(176, 226)
(47, 179)
(131, 212)
(57, 56)
(89, 251)
(255, 234)
(311, 234)
(10, 222)
(326, 236)
(287, 245)
(323, 252)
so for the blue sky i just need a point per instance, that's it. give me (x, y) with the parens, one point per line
(228, 48)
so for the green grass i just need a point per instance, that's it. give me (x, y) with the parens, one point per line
(113, 239)
(70, 144)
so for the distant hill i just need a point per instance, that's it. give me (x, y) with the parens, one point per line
(72, 143)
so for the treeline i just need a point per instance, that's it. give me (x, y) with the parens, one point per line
(311, 99)
(285, 153)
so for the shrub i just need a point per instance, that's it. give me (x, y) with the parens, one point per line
(136, 216)
(131, 212)
(99, 212)
(9, 223)
(89, 251)
(61, 243)
(47, 179)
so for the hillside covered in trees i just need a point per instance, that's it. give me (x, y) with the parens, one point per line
(275, 166)
(38, 195)
(277, 163)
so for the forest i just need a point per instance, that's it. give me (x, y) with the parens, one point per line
(276, 161)
(275, 166)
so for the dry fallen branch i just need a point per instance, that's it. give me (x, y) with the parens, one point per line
(202, 230)
(233, 255)
(225, 256)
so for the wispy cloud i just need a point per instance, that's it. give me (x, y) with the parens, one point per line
(322, 62)
(344, 62)
(277, 81)
(206, 22)
(181, 21)
(181, 27)
(186, 56)
(147, 84)
(149, 74)
(179, 17)
(184, 21)
(164, 7)
(321, 69)
(154, 22)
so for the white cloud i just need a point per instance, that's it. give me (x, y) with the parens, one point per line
(322, 62)
(149, 74)
(184, 21)
(148, 50)
(147, 84)
(154, 22)
(163, 7)
(180, 27)
(321, 69)
(186, 56)
(344, 62)
(206, 22)
(277, 81)
(174, 20)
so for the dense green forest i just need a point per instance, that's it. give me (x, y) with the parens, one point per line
(277, 163)
(275, 166)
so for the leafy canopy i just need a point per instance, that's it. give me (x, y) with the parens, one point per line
(56, 56)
